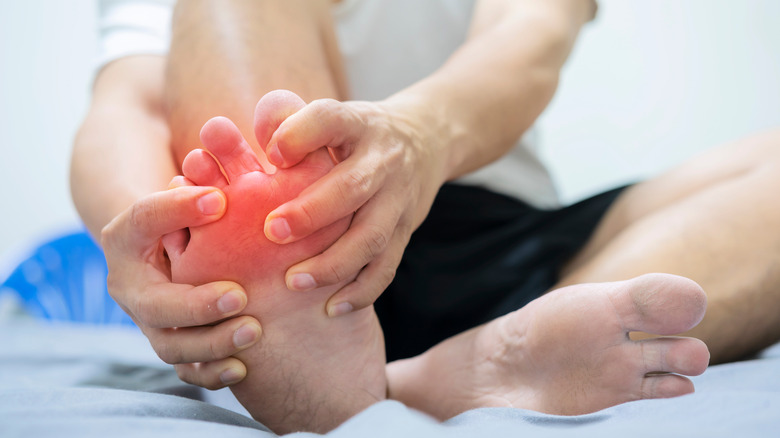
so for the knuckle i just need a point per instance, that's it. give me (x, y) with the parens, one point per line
(386, 276)
(183, 374)
(167, 352)
(335, 273)
(141, 213)
(374, 241)
(193, 374)
(355, 181)
(215, 351)
(307, 211)
(145, 309)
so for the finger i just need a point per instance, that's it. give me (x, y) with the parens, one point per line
(336, 195)
(324, 122)
(370, 283)
(664, 386)
(223, 139)
(163, 305)
(201, 168)
(687, 356)
(271, 111)
(140, 227)
(205, 343)
(212, 375)
(369, 234)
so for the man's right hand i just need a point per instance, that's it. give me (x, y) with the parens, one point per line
(185, 324)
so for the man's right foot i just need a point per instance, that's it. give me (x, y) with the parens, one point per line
(567, 353)
(309, 372)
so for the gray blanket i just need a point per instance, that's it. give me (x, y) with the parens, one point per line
(63, 380)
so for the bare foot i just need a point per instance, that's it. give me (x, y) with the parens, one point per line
(310, 372)
(566, 353)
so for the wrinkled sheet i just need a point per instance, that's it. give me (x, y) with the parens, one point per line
(64, 380)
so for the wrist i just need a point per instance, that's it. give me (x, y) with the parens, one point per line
(425, 124)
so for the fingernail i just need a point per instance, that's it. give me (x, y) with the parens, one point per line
(245, 336)
(274, 156)
(339, 309)
(279, 228)
(231, 376)
(302, 282)
(211, 203)
(231, 302)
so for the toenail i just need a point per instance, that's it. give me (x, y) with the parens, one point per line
(211, 203)
(302, 282)
(274, 156)
(230, 376)
(339, 309)
(279, 228)
(245, 336)
(231, 302)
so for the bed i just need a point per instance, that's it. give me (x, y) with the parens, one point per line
(71, 366)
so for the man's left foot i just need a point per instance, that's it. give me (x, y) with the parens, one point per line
(568, 352)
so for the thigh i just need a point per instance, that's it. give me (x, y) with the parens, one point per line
(699, 174)
(225, 56)
(720, 230)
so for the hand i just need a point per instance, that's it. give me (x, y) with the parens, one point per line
(175, 316)
(388, 174)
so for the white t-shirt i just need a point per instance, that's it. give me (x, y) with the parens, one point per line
(386, 46)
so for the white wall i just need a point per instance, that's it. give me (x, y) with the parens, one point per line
(46, 52)
(649, 84)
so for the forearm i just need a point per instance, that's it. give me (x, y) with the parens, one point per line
(120, 152)
(225, 55)
(476, 106)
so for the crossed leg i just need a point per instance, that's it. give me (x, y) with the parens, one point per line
(714, 220)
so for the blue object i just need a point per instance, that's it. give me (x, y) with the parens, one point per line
(65, 280)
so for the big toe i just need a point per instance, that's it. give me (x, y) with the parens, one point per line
(660, 304)
(272, 110)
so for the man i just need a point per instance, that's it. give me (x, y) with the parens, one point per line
(472, 110)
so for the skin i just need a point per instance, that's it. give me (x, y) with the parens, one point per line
(566, 353)
(305, 356)
(417, 118)
(120, 167)
(396, 154)
(686, 222)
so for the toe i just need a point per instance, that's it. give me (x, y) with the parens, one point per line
(664, 386)
(272, 110)
(223, 139)
(687, 356)
(660, 304)
(201, 168)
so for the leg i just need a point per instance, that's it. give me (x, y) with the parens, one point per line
(310, 372)
(225, 55)
(567, 352)
(713, 220)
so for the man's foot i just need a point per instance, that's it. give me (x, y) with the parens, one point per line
(309, 372)
(566, 353)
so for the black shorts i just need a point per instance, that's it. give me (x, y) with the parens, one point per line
(479, 255)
